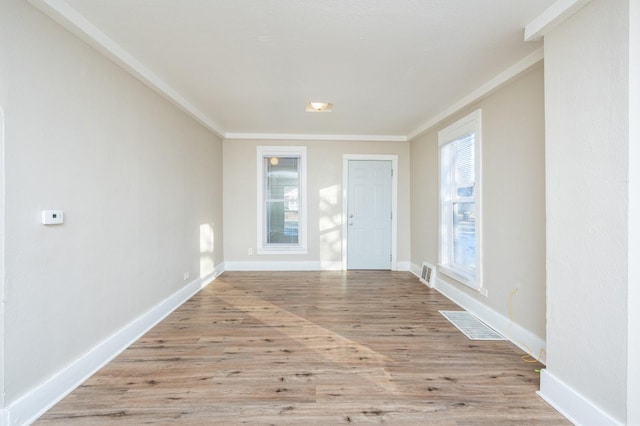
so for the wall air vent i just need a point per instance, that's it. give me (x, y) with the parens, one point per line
(428, 274)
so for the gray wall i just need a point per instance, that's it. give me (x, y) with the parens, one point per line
(324, 198)
(141, 184)
(138, 180)
(633, 344)
(586, 89)
(512, 197)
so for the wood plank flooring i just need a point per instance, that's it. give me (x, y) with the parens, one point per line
(311, 348)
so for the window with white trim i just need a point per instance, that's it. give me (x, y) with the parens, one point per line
(282, 200)
(460, 253)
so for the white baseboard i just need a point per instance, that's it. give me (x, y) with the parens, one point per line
(36, 402)
(312, 265)
(403, 266)
(570, 403)
(219, 269)
(331, 265)
(415, 269)
(265, 265)
(518, 335)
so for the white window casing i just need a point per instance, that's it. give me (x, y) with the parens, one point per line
(281, 200)
(460, 201)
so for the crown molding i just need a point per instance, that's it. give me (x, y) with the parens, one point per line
(484, 90)
(312, 137)
(552, 17)
(69, 18)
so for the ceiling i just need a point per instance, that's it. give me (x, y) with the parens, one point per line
(250, 66)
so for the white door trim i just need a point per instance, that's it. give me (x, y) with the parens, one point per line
(394, 202)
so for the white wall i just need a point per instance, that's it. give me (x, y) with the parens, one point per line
(513, 201)
(2, 279)
(324, 198)
(138, 180)
(633, 303)
(587, 147)
(3, 96)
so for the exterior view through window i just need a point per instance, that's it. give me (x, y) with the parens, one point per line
(281, 199)
(459, 161)
(282, 203)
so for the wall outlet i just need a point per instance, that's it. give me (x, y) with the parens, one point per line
(52, 217)
(250, 252)
(186, 276)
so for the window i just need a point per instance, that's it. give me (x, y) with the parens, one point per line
(281, 200)
(460, 197)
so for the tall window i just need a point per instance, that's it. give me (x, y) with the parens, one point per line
(460, 211)
(281, 200)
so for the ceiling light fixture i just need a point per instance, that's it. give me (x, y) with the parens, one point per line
(319, 107)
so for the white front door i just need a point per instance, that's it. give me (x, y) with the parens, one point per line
(369, 211)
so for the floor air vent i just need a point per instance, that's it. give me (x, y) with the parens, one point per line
(428, 274)
(471, 326)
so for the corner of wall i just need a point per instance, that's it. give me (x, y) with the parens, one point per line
(571, 404)
(219, 270)
(414, 269)
(2, 266)
(633, 332)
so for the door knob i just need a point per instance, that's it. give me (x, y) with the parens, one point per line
(351, 215)
(350, 223)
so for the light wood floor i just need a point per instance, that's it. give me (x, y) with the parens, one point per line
(311, 348)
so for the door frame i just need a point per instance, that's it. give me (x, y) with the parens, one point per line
(394, 201)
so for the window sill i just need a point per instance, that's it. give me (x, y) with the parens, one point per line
(460, 276)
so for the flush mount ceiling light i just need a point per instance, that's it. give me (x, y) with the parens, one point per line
(319, 107)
